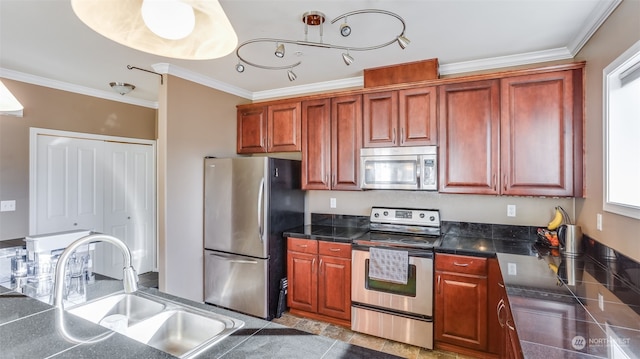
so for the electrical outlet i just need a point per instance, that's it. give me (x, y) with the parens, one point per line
(599, 221)
(7, 206)
(511, 210)
(601, 302)
(512, 269)
(333, 203)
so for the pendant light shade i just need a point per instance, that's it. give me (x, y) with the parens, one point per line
(181, 29)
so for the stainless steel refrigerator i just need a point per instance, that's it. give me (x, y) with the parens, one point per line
(248, 203)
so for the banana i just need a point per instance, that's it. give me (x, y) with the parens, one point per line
(553, 267)
(556, 221)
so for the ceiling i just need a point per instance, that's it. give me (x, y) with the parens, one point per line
(43, 42)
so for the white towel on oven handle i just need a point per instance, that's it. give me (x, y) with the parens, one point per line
(389, 265)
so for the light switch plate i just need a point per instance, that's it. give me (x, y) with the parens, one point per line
(512, 269)
(511, 210)
(599, 221)
(332, 203)
(601, 302)
(7, 206)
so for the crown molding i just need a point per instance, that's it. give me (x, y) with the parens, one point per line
(82, 90)
(352, 82)
(597, 17)
(166, 68)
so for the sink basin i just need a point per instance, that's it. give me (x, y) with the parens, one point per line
(135, 308)
(172, 327)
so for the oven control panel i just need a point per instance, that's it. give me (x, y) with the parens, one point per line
(406, 216)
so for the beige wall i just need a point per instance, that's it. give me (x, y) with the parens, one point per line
(193, 121)
(59, 110)
(619, 32)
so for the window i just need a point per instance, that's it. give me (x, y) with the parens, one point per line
(622, 134)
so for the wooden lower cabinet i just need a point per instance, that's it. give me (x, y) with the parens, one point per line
(472, 313)
(319, 275)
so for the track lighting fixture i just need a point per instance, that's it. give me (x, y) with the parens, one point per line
(316, 18)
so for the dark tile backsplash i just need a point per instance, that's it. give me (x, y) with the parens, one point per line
(490, 231)
(339, 220)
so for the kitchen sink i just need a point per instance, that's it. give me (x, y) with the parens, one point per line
(172, 327)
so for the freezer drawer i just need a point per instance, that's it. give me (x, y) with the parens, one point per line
(236, 282)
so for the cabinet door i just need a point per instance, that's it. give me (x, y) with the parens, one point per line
(461, 310)
(380, 123)
(417, 116)
(283, 131)
(469, 120)
(346, 142)
(316, 144)
(334, 287)
(252, 130)
(303, 281)
(537, 134)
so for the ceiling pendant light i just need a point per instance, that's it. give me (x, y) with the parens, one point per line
(122, 88)
(181, 29)
(169, 19)
(317, 18)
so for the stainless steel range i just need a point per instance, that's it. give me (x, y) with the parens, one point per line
(392, 275)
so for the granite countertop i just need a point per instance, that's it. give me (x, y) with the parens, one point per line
(326, 232)
(30, 329)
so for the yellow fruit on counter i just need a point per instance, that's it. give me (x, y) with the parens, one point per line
(553, 267)
(556, 221)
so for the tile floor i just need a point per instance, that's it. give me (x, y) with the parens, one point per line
(150, 280)
(363, 340)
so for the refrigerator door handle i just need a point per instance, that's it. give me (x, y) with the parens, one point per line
(260, 209)
(231, 259)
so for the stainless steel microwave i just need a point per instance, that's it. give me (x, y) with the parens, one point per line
(404, 168)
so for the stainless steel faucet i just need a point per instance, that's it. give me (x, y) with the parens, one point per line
(129, 278)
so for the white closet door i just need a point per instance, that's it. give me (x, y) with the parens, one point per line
(69, 184)
(129, 207)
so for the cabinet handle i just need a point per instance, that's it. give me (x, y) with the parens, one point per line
(505, 182)
(501, 285)
(439, 284)
(335, 249)
(320, 266)
(393, 139)
(495, 183)
(402, 135)
(511, 327)
(302, 245)
(313, 266)
(326, 179)
(333, 180)
(499, 310)
(460, 264)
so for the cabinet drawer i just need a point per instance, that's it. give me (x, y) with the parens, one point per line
(461, 264)
(302, 245)
(334, 249)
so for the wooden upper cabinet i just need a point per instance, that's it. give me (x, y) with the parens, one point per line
(518, 135)
(252, 129)
(400, 118)
(316, 144)
(284, 126)
(469, 126)
(537, 134)
(269, 128)
(346, 142)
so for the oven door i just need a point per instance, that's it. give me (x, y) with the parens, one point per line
(415, 297)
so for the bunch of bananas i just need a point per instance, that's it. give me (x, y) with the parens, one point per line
(558, 219)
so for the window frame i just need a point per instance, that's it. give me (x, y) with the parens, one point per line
(629, 61)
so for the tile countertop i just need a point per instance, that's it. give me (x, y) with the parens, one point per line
(557, 315)
(30, 329)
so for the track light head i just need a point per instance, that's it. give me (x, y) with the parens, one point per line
(403, 41)
(280, 51)
(348, 59)
(345, 30)
(291, 75)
